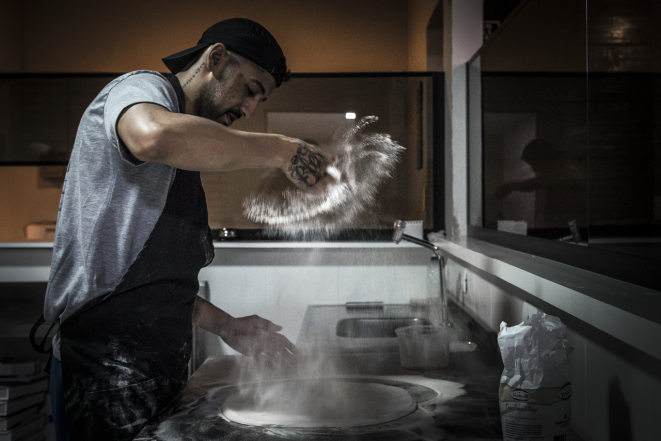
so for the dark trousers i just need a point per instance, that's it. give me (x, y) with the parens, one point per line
(57, 403)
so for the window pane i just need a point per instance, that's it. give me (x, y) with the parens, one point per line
(535, 153)
(39, 117)
(624, 120)
(314, 108)
(570, 125)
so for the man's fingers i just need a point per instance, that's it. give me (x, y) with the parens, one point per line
(284, 342)
(277, 345)
(261, 323)
(272, 327)
(254, 335)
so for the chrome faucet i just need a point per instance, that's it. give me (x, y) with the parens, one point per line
(398, 235)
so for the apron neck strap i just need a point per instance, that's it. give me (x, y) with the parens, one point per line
(178, 90)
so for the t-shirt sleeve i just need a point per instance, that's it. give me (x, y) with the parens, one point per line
(138, 87)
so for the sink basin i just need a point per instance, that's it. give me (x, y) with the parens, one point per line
(375, 327)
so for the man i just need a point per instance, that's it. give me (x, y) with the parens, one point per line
(132, 229)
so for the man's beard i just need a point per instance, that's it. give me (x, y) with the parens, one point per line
(205, 105)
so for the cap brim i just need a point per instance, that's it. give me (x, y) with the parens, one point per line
(176, 62)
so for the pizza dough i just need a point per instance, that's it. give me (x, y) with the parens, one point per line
(318, 403)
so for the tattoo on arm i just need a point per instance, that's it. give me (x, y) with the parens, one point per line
(307, 165)
(197, 71)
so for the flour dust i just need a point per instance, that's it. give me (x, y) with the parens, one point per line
(300, 385)
(361, 162)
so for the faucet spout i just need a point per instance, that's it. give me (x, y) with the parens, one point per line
(398, 235)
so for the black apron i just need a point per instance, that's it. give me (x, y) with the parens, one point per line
(125, 355)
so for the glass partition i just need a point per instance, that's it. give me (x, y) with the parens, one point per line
(39, 116)
(314, 108)
(565, 130)
(535, 155)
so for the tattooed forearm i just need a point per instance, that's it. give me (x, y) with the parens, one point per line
(307, 165)
(197, 71)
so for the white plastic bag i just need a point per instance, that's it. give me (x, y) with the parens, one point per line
(535, 388)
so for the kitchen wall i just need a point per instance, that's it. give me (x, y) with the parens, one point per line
(11, 37)
(276, 281)
(123, 35)
(527, 42)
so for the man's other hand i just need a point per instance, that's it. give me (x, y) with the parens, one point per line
(255, 336)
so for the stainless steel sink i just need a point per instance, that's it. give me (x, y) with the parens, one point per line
(375, 327)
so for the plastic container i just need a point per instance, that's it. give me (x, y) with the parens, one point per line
(434, 278)
(424, 347)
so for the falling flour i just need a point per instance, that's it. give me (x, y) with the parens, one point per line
(361, 162)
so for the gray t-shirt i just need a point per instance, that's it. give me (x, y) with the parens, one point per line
(110, 201)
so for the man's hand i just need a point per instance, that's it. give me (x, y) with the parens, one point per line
(251, 336)
(255, 336)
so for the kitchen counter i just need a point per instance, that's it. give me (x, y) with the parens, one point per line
(21, 263)
(468, 411)
(459, 402)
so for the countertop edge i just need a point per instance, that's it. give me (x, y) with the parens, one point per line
(549, 284)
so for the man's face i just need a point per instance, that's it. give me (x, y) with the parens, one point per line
(235, 94)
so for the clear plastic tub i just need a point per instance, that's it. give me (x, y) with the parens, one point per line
(424, 347)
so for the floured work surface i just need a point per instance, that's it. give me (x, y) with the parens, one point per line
(317, 403)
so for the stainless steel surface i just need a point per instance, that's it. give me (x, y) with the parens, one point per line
(320, 325)
(376, 327)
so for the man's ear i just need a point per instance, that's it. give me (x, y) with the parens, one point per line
(217, 59)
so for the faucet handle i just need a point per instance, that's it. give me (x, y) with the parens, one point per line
(400, 225)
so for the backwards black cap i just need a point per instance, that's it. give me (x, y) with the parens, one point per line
(244, 37)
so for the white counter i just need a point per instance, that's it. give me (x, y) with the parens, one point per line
(607, 304)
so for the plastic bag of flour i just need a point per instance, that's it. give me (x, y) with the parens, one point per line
(535, 388)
